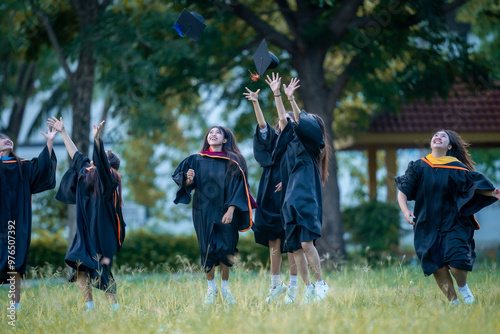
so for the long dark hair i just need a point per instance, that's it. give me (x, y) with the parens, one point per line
(14, 155)
(459, 149)
(92, 178)
(324, 156)
(230, 147)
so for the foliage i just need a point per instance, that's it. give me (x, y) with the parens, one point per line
(484, 19)
(48, 248)
(373, 225)
(49, 214)
(488, 163)
(146, 250)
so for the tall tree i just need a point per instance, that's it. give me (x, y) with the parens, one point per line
(388, 52)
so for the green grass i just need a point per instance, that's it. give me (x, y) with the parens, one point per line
(391, 299)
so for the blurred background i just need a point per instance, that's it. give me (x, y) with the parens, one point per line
(383, 74)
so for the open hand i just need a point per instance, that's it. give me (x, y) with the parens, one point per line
(56, 124)
(290, 89)
(98, 130)
(274, 83)
(252, 96)
(50, 135)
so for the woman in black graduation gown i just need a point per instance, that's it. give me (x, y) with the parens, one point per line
(95, 187)
(303, 150)
(221, 203)
(268, 227)
(19, 180)
(447, 193)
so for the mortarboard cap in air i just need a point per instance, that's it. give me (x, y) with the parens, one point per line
(264, 60)
(190, 24)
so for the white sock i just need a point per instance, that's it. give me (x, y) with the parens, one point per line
(90, 305)
(224, 287)
(294, 279)
(16, 306)
(211, 284)
(275, 280)
(114, 307)
(463, 289)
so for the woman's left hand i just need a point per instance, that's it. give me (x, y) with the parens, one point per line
(228, 216)
(98, 130)
(50, 135)
(291, 88)
(252, 96)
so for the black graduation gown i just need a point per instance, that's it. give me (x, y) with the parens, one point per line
(100, 229)
(298, 148)
(445, 202)
(38, 175)
(218, 184)
(268, 224)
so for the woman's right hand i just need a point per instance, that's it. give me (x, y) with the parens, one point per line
(190, 177)
(408, 217)
(252, 96)
(274, 83)
(291, 88)
(56, 124)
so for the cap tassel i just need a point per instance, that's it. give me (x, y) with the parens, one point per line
(254, 76)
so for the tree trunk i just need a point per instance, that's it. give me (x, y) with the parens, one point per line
(81, 86)
(24, 88)
(317, 99)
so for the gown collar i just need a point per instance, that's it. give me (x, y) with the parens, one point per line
(442, 160)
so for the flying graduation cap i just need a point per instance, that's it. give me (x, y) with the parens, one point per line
(190, 24)
(264, 60)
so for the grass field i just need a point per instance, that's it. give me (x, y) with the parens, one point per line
(390, 299)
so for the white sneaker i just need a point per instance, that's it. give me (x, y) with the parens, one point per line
(291, 295)
(275, 292)
(321, 291)
(454, 302)
(309, 295)
(228, 297)
(210, 296)
(467, 296)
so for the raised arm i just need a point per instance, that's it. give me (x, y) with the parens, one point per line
(50, 135)
(253, 97)
(294, 84)
(275, 84)
(97, 134)
(58, 125)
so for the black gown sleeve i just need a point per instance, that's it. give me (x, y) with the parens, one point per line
(309, 133)
(67, 188)
(42, 172)
(183, 194)
(409, 182)
(101, 162)
(469, 201)
(263, 149)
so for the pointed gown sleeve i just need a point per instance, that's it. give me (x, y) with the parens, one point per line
(42, 172)
(67, 188)
(183, 194)
(309, 133)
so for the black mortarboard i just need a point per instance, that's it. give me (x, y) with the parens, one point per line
(264, 59)
(190, 24)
